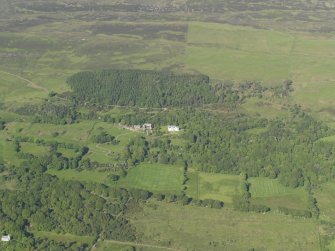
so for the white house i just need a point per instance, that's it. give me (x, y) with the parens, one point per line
(5, 238)
(173, 128)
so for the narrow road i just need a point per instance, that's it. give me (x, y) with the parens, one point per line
(30, 83)
(136, 244)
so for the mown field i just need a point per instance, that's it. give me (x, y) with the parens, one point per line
(271, 193)
(221, 187)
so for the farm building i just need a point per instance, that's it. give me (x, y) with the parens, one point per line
(173, 128)
(148, 126)
(144, 127)
(5, 238)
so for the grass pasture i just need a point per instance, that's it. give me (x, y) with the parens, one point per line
(155, 177)
(271, 193)
(243, 53)
(13, 88)
(213, 186)
(152, 177)
(83, 176)
(73, 133)
(68, 153)
(239, 53)
(197, 228)
(7, 151)
(326, 201)
(34, 149)
(265, 109)
(78, 134)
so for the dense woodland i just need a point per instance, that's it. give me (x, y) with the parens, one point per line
(143, 88)
(161, 89)
(44, 203)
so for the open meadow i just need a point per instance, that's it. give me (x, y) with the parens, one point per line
(196, 228)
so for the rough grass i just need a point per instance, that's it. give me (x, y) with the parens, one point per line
(79, 134)
(13, 89)
(65, 237)
(222, 51)
(243, 53)
(34, 149)
(7, 152)
(83, 176)
(257, 107)
(7, 184)
(197, 228)
(106, 246)
(69, 153)
(326, 201)
(271, 193)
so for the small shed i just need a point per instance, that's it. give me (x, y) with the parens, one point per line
(5, 238)
(173, 128)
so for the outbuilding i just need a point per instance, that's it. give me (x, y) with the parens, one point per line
(173, 128)
(5, 238)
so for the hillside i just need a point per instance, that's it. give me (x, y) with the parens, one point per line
(90, 89)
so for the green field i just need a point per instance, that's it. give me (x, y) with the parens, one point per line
(271, 193)
(197, 228)
(13, 89)
(213, 186)
(152, 177)
(34, 149)
(244, 53)
(155, 177)
(326, 201)
(83, 176)
(78, 134)
(268, 110)
(8, 153)
(68, 153)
